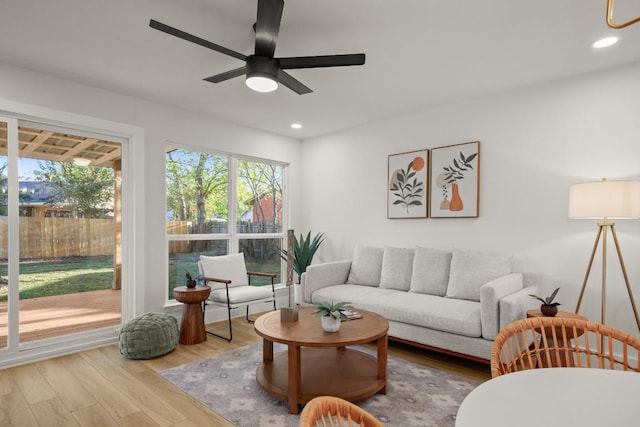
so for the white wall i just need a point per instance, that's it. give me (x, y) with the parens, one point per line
(161, 124)
(535, 143)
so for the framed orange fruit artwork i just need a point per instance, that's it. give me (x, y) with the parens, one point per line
(408, 184)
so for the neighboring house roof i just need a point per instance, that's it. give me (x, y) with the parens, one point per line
(39, 192)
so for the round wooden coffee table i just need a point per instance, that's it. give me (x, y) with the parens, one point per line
(318, 363)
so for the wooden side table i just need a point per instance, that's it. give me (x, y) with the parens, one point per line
(192, 329)
(559, 334)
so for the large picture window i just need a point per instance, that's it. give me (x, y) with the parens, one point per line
(221, 204)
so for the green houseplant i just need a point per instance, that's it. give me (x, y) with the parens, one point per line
(303, 251)
(331, 314)
(548, 307)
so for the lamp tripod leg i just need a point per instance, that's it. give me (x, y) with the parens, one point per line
(586, 276)
(626, 277)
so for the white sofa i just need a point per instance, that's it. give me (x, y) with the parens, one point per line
(451, 301)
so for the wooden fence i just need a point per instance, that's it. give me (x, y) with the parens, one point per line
(52, 237)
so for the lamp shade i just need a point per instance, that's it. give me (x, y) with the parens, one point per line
(605, 199)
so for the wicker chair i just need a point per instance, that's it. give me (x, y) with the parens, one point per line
(548, 342)
(330, 411)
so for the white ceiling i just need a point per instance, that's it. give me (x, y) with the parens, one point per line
(420, 53)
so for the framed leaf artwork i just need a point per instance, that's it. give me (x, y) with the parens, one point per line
(455, 181)
(407, 184)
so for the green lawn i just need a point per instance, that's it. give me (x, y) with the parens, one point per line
(80, 274)
(61, 276)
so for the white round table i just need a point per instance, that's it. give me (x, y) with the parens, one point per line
(554, 397)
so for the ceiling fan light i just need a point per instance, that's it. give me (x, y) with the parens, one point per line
(261, 83)
(81, 161)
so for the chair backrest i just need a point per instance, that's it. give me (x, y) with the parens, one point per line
(547, 342)
(225, 267)
(333, 411)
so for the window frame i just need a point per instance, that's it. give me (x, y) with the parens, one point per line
(231, 236)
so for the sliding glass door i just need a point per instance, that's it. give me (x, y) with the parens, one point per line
(60, 237)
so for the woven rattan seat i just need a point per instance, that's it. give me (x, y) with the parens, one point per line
(148, 335)
(548, 342)
(325, 411)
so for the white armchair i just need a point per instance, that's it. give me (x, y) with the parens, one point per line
(231, 285)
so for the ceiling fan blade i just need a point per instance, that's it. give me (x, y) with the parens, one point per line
(321, 61)
(289, 81)
(194, 39)
(268, 26)
(227, 75)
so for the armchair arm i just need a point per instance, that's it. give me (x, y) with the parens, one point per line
(261, 274)
(320, 276)
(212, 279)
(258, 273)
(490, 295)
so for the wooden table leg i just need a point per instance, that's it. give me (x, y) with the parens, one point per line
(382, 362)
(294, 380)
(267, 350)
(192, 326)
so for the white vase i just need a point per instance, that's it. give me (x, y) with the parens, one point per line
(330, 324)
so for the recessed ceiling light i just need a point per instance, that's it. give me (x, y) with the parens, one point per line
(605, 42)
(296, 126)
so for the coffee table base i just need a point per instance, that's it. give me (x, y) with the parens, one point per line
(343, 372)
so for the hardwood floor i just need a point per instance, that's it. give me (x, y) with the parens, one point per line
(100, 387)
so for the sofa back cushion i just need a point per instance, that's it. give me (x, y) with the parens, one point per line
(397, 264)
(430, 273)
(366, 266)
(470, 270)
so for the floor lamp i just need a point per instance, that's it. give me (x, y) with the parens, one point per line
(606, 200)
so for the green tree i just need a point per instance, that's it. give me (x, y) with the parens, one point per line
(4, 193)
(88, 190)
(258, 181)
(196, 186)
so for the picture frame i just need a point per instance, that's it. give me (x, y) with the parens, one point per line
(408, 185)
(455, 181)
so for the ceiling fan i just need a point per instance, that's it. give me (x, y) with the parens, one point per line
(263, 71)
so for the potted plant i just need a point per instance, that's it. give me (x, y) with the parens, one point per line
(331, 314)
(188, 281)
(548, 307)
(303, 251)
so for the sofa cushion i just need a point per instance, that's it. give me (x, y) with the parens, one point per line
(366, 266)
(397, 264)
(470, 270)
(455, 316)
(430, 273)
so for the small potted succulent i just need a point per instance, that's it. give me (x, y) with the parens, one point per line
(548, 307)
(188, 281)
(331, 314)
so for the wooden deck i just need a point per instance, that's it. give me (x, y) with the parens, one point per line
(64, 314)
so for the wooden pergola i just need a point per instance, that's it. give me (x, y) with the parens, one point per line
(60, 147)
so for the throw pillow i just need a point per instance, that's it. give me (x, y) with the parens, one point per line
(226, 267)
(430, 271)
(366, 266)
(397, 264)
(470, 270)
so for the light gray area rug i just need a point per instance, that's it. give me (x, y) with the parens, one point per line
(226, 383)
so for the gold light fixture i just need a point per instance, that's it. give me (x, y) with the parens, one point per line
(612, 24)
(606, 200)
